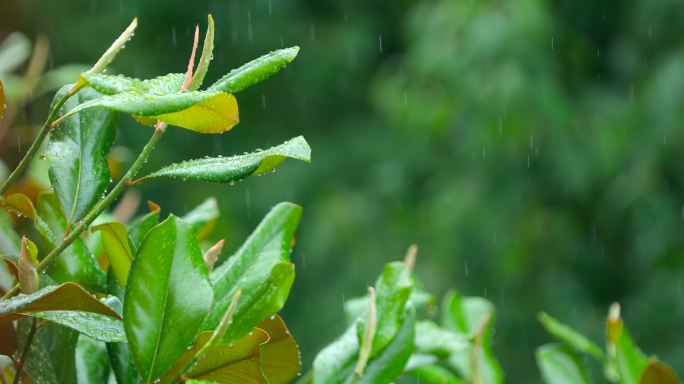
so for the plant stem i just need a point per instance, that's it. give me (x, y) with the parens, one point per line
(160, 128)
(38, 141)
(24, 353)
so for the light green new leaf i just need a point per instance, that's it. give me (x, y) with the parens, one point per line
(560, 365)
(570, 337)
(92, 364)
(631, 361)
(657, 372)
(261, 268)
(434, 374)
(255, 71)
(434, 340)
(465, 315)
(335, 363)
(167, 297)
(203, 217)
(118, 247)
(20, 204)
(234, 168)
(389, 363)
(75, 263)
(77, 150)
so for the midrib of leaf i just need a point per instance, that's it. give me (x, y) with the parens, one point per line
(163, 313)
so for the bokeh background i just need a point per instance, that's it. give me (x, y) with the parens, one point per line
(532, 149)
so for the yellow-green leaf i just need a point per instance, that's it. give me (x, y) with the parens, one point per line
(280, 357)
(119, 249)
(216, 114)
(20, 204)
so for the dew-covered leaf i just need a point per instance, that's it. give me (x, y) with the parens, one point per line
(280, 357)
(20, 204)
(95, 325)
(92, 363)
(118, 248)
(255, 71)
(52, 353)
(75, 263)
(561, 365)
(77, 150)
(167, 297)
(261, 268)
(234, 168)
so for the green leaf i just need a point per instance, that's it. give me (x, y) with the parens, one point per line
(570, 337)
(207, 56)
(280, 357)
(119, 354)
(255, 71)
(52, 353)
(261, 268)
(118, 247)
(65, 297)
(432, 339)
(658, 373)
(631, 362)
(233, 363)
(167, 297)
(203, 217)
(358, 306)
(95, 325)
(139, 227)
(75, 263)
(435, 374)
(10, 243)
(335, 363)
(92, 363)
(560, 365)
(20, 204)
(235, 168)
(465, 315)
(389, 363)
(77, 150)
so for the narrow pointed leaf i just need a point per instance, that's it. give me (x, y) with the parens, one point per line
(280, 357)
(231, 169)
(560, 365)
(261, 268)
(570, 337)
(118, 247)
(20, 204)
(203, 217)
(255, 71)
(92, 363)
(75, 263)
(167, 297)
(65, 297)
(77, 150)
(207, 56)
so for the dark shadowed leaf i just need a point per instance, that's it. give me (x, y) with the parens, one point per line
(255, 71)
(234, 168)
(52, 353)
(261, 268)
(657, 372)
(167, 297)
(75, 263)
(10, 242)
(561, 365)
(77, 150)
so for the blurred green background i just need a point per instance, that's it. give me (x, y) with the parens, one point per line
(532, 149)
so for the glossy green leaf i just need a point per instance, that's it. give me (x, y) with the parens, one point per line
(434, 374)
(167, 297)
(570, 337)
(75, 263)
(119, 354)
(255, 71)
(233, 363)
(92, 363)
(421, 301)
(235, 168)
(630, 360)
(335, 363)
(118, 247)
(20, 204)
(203, 217)
(52, 353)
(65, 297)
(10, 242)
(280, 357)
(561, 365)
(77, 150)
(205, 59)
(389, 363)
(465, 315)
(657, 372)
(139, 227)
(432, 339)
(261, 268)
(94, 325)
